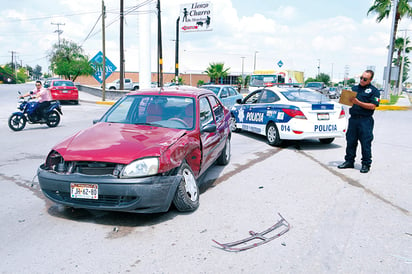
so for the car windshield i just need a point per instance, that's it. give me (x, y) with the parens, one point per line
(262, 80)
(63, 84)
(304, 95)
(314, 85)
(156, 110)
(214, 89)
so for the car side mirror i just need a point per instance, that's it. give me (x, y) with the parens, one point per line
(239, 101)
(31, 92)
(95, 121)
(209, 128)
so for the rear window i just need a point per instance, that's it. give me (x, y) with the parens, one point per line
(63, 84)
(304, 95)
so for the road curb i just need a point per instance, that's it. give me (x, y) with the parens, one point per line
(393, 108)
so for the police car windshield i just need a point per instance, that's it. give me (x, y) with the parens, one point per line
(304, 95)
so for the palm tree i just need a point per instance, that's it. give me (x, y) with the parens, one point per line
(383, 8)
(216, 71)
(399, 44)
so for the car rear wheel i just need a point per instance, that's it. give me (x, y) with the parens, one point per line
(187, 193)
(326, 140)
(224, 157)
(53, 119)
(17, 122)
(272, 135)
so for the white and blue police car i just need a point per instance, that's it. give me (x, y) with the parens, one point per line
(287, 113)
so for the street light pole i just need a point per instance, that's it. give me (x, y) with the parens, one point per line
(254, 61)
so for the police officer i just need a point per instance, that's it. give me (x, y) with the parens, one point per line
(360, 126)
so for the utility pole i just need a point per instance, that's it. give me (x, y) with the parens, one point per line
(121, 46)
(318, 67)
(104, 52)
(59, 31)
(177, 52)
(159, 44)
(254, 61)
(13, 64)
(243, 62)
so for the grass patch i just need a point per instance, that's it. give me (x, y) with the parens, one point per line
(392, 100)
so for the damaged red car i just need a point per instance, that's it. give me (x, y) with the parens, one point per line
(145, 153)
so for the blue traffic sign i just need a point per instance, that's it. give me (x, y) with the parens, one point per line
(280, 63)
(97, 63)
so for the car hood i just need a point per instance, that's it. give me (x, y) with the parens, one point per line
(118, 143)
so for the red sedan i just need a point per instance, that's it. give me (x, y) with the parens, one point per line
(62, 90)
(145, 153)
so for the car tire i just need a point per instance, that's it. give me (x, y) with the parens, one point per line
(17, 122)
(224, 157)
(232, 124)
(53, 119)
(326, 140)
(187, 194)
(272, 135)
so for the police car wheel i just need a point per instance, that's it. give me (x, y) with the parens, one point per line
(232, 124)
(272, 135)
(326, 140)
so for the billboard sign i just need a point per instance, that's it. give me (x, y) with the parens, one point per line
(97, 63)
(196, 17)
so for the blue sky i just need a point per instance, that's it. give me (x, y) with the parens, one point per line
(338, 35)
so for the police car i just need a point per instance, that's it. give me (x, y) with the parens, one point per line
(286, 113)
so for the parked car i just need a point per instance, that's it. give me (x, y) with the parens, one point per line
(226, 93)
(62, 90)
(318, 86)
(145, 153)
(128, 85)
(334, 93)
(289, 114)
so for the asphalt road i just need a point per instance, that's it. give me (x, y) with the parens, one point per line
(342, 221)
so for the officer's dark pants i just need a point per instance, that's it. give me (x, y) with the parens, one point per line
(360, 129)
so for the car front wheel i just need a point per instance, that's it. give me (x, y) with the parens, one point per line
(187, 193)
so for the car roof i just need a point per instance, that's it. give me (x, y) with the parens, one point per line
(216, 85)
(185, 91)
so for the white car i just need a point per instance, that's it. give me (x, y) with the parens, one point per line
(289, 114)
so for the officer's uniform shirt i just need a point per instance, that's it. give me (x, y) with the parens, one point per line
(366, 94)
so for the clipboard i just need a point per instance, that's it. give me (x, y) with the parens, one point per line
(345, 97)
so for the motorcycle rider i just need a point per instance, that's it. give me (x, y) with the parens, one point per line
(44, 98)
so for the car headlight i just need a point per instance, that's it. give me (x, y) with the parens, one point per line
(140, 168)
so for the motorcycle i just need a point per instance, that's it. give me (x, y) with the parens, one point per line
(27, 114)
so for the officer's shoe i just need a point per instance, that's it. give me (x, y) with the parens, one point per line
(365, 168)
(346, 164)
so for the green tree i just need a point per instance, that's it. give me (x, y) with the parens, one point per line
(399, 45)
(69, 61)
(22, 75)
(321, 77)
(37, 72)
(216, 71)
(200, 83)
